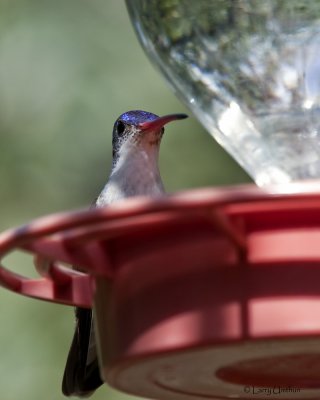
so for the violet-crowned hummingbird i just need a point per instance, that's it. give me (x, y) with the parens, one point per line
(135, 142)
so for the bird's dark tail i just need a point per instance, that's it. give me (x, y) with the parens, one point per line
(81, 379)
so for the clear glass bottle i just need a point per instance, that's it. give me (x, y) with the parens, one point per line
(249, 70)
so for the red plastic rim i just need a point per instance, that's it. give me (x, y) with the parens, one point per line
(238, 213)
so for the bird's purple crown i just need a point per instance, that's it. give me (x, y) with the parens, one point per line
(137, 116)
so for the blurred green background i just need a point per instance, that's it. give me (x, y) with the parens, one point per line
(68, 68)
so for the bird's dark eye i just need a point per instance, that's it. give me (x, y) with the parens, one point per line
(120, 127)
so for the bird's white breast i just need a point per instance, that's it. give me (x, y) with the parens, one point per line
(135, 174)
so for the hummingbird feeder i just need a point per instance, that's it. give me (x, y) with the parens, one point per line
(215, 296)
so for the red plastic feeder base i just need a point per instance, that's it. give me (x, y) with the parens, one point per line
(263, 369)
(212, 293)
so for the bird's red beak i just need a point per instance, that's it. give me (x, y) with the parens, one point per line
(157, 124)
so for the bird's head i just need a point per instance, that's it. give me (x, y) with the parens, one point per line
(139, 129)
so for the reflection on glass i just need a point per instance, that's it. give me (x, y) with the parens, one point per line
(249, 70)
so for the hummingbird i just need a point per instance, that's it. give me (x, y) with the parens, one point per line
(136, 141)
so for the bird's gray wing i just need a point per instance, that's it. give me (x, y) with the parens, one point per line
(81, 375)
